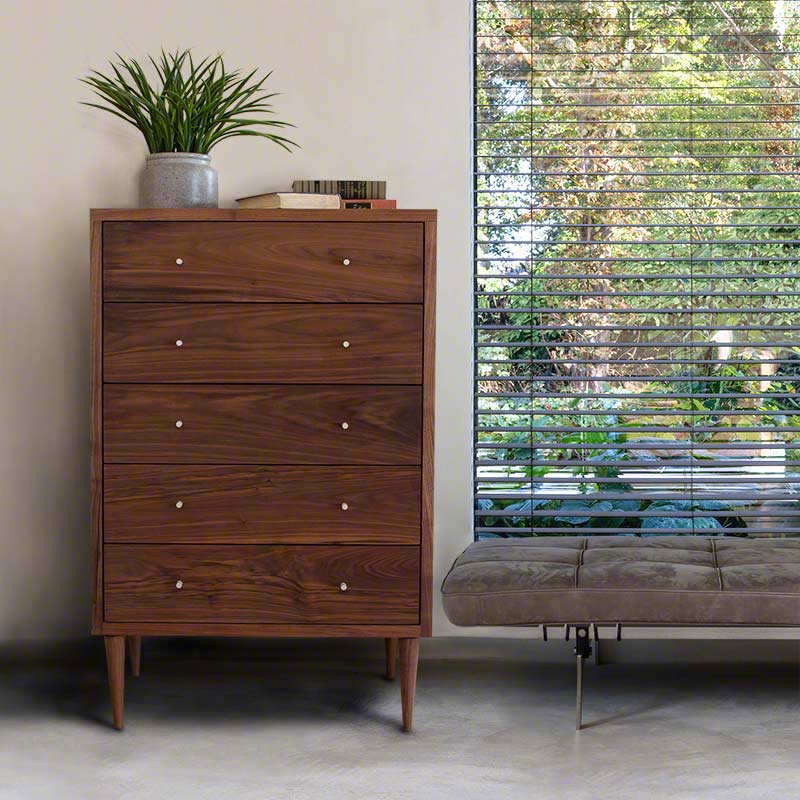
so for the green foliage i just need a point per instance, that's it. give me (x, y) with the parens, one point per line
(187, 107)
(629, 516)
(619, 143)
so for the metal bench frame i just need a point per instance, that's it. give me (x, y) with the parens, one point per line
(588, 633)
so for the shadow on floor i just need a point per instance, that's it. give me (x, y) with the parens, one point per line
(203, 681)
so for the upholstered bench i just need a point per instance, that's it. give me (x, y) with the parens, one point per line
(583, 582)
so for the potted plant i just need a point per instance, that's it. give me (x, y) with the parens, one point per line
(184, 111)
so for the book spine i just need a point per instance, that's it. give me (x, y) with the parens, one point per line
(373, 203)
(356, 190)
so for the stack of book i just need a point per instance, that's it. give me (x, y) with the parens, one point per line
(324, 194)
(354, 193)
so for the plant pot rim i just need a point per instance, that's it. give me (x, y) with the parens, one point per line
(179, 155)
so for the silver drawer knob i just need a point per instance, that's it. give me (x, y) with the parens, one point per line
(346, 262)
(344, 506)
(343, 586)
(179, 261)
(345, 426)
(179, 423)
(179, 343)
(345, 344)
(179, 584)
(179, 504)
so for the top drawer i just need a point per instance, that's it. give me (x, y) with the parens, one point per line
(316, 262)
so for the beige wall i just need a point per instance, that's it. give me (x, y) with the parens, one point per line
(377, 88)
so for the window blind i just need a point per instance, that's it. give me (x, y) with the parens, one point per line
(637, 271)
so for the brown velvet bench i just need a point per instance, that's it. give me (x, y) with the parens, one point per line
(585, 582)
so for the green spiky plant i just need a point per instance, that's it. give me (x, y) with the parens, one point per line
(187, 107)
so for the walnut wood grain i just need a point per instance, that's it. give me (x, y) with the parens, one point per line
(261, 215)
(115, 662)
(96, 423)
(409, 658)
(270, 258)
(391, 645)
(261, 505)
(262, 583)
(428, 427)
(262, 343)
(262, 424)
(263, 261)
(254, 630)
(135, 654)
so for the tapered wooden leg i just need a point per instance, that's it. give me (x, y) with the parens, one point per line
(391, 658)
(115, 660)
(409, 656)
(135, 654)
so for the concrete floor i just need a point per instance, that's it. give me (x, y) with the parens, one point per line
(301, 720)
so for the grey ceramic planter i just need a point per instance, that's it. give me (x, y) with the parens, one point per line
(178, 180)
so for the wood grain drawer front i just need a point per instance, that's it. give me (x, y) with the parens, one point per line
(261, 584)
(250, 505)
(325, 262)
(217, 424)
(262, 343)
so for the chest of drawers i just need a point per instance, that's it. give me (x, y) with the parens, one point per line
(262, 428)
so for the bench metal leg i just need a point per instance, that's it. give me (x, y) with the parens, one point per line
(583, 649)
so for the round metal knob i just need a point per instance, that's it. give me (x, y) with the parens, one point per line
(179, 343)
(179, 261)
(346, 262)
(345, 426)
(179, 423)
(345, 344)
(179, 504)
(345, 506)
(343, 586)
(179, 584)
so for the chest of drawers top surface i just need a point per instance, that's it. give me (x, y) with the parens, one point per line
(262, 421)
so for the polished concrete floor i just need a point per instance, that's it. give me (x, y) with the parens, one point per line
(297, 720)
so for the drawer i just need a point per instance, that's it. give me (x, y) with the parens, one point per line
(261, 505)
(261, 584)
(218, 424)
(262, 343)
(321, 262)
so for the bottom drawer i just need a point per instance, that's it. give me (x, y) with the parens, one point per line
(262, 584)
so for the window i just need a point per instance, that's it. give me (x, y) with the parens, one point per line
(637, 271)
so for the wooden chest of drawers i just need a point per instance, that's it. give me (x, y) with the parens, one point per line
(262, 428)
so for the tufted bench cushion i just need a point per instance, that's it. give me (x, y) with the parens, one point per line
(666, 580)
